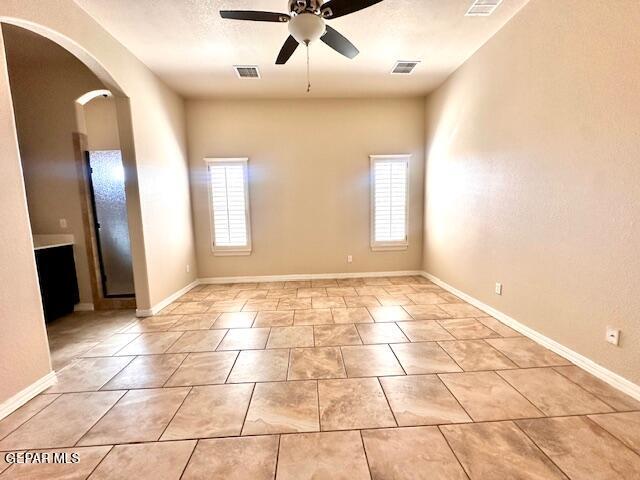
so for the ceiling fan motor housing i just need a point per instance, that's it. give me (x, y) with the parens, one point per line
(307, 27)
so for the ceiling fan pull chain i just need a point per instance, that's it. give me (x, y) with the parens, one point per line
(308, 70)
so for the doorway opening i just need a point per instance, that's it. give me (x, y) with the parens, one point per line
(109, 208)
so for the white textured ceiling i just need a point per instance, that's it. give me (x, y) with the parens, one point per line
(189, 46)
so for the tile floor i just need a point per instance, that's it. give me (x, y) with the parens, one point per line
(383, 378)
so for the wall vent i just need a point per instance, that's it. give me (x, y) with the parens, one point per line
(247, 71)
(483, 8)
(404, 67)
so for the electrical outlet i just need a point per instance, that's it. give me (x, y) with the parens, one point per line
(613, 336)
(498, 289)
(63, 223)
(349, 259)
(188, 268)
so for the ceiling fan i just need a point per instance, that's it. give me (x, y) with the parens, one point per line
(306, 21)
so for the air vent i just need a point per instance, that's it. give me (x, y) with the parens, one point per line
(404, 68)
(483, 8)
(247, 71)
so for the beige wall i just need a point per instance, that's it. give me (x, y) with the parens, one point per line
(23, 341)
(101, 124)
(44, 91)
(533, 175)
(309, 180)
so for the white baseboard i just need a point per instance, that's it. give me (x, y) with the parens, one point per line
(83, 307)
(306, 276)
(162, 304)
(604, 374)
(12, 404)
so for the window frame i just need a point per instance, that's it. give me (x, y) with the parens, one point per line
(229, 250)
(398, 244)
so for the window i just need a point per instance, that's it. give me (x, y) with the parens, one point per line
(389, 201)
(229, 194)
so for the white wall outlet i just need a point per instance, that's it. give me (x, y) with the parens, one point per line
(349, 258)
(613, 336)
(498, 289)
(63, 223)
(188, 268)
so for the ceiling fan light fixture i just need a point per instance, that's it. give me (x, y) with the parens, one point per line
(307, 27)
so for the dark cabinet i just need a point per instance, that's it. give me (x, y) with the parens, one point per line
(58, 282)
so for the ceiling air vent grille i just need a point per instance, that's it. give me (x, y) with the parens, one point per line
(404, 68)
(247, 71)
(483, 8)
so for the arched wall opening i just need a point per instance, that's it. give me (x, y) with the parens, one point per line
(157, 190)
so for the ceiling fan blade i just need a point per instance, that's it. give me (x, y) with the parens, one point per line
(340, 8)
(255, 16)
(287, 50)
(339, 43)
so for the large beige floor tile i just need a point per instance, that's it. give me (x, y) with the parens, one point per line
(328, 302)
(623, 426)
(335, 335)
(424, 357)
(212, 411)
(605, 392)
(290, 337)
(190, 307)
(461, 310)
(110, 345)
(234, 320)
(88, 458)
(283, 407)
(248, 458)
(499, 451)
(206, 368)
(426, 298)
(351, 315)
(424, 331)
(282, 293)
(313, 316)
(342, 405)
(201, 321)
(552, 393)
(361, 301)
(389, 314)
(146, 371)
(370, 361)
(227, 306)
(139, 416)
(314, 363)
(198, 341)
(582, 449)
(88, 374)
(476, 355)
(153, 324)
(312, 292)
(264, 305)
(526, 353)
(381, 333)
(389, 300)
(150, 344)
(260, 366)
(426, 312)
(422, 400)
(322, 456)
(244, 339)
(9, 423)
(297, 284)
(62, 423)
(467, 329)
(341, 292)
(418, 453)
(274, 319)
(498, 327)
(157, 461)
(486, 396)
(287, 304)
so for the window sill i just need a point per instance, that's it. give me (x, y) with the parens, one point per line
(389, 248)
(231, 253)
